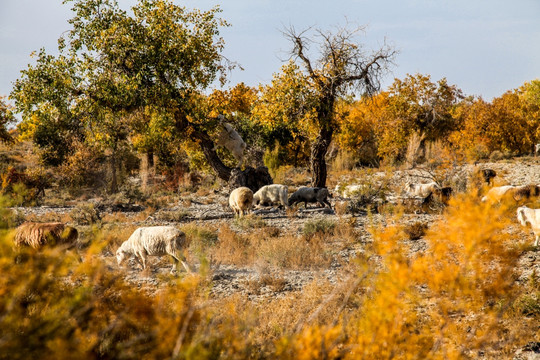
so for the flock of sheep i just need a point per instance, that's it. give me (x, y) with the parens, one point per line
(168, 240)
(242, 199)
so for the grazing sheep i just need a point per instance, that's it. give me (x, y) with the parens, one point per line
(231, 140)
(536, 149)
(532, 216)
(241, 200)
(525, 192)
(271, 194)
(310, 195)
(37, 235)
(155, 241)
(421, 190)
(349, 190)
(497, 193)
(488, 175)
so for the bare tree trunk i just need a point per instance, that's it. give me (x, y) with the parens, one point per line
(146, 169)
(143, 171)
(318, 156)
(114, 180)
(207, 146)
(320, 146)
(150, 160)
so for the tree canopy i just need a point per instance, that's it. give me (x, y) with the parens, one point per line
(121, 75)
(6, 118)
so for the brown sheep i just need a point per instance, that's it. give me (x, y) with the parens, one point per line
(37, 235)
(241, 200)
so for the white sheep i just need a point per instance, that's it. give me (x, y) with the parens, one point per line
(272, 194)
(421, 190)
(231, 140)
(154, 241)
(241, 200)
(349, 190)
(536, 149)
(532, 216)
(497, 193)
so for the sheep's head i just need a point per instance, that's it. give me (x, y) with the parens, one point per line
(256, 200)
(121, 256)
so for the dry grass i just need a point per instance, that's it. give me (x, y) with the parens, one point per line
(282, 251)
(50, 216)
(457, 299)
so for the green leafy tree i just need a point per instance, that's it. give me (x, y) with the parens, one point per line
(285, 111)
(122, 75)
(6, 118)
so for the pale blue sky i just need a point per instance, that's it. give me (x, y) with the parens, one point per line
(485, 47)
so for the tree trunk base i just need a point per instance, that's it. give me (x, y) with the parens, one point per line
(250, 177)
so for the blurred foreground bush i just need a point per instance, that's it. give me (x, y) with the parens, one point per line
(456, 299)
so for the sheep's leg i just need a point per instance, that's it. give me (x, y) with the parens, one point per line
(138, 259)
(324, 203)
(180, 258)
(175, 264)
(143, 259)
(185, 264)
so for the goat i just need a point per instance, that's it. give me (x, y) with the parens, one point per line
(488, 175)
(525, 192)
(231, 140)
(496, 194)
(350, 190)
(532, 216)
(421, 190)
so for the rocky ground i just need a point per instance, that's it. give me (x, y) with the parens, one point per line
(248, 281)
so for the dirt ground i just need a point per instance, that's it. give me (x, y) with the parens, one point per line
(226, 280)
